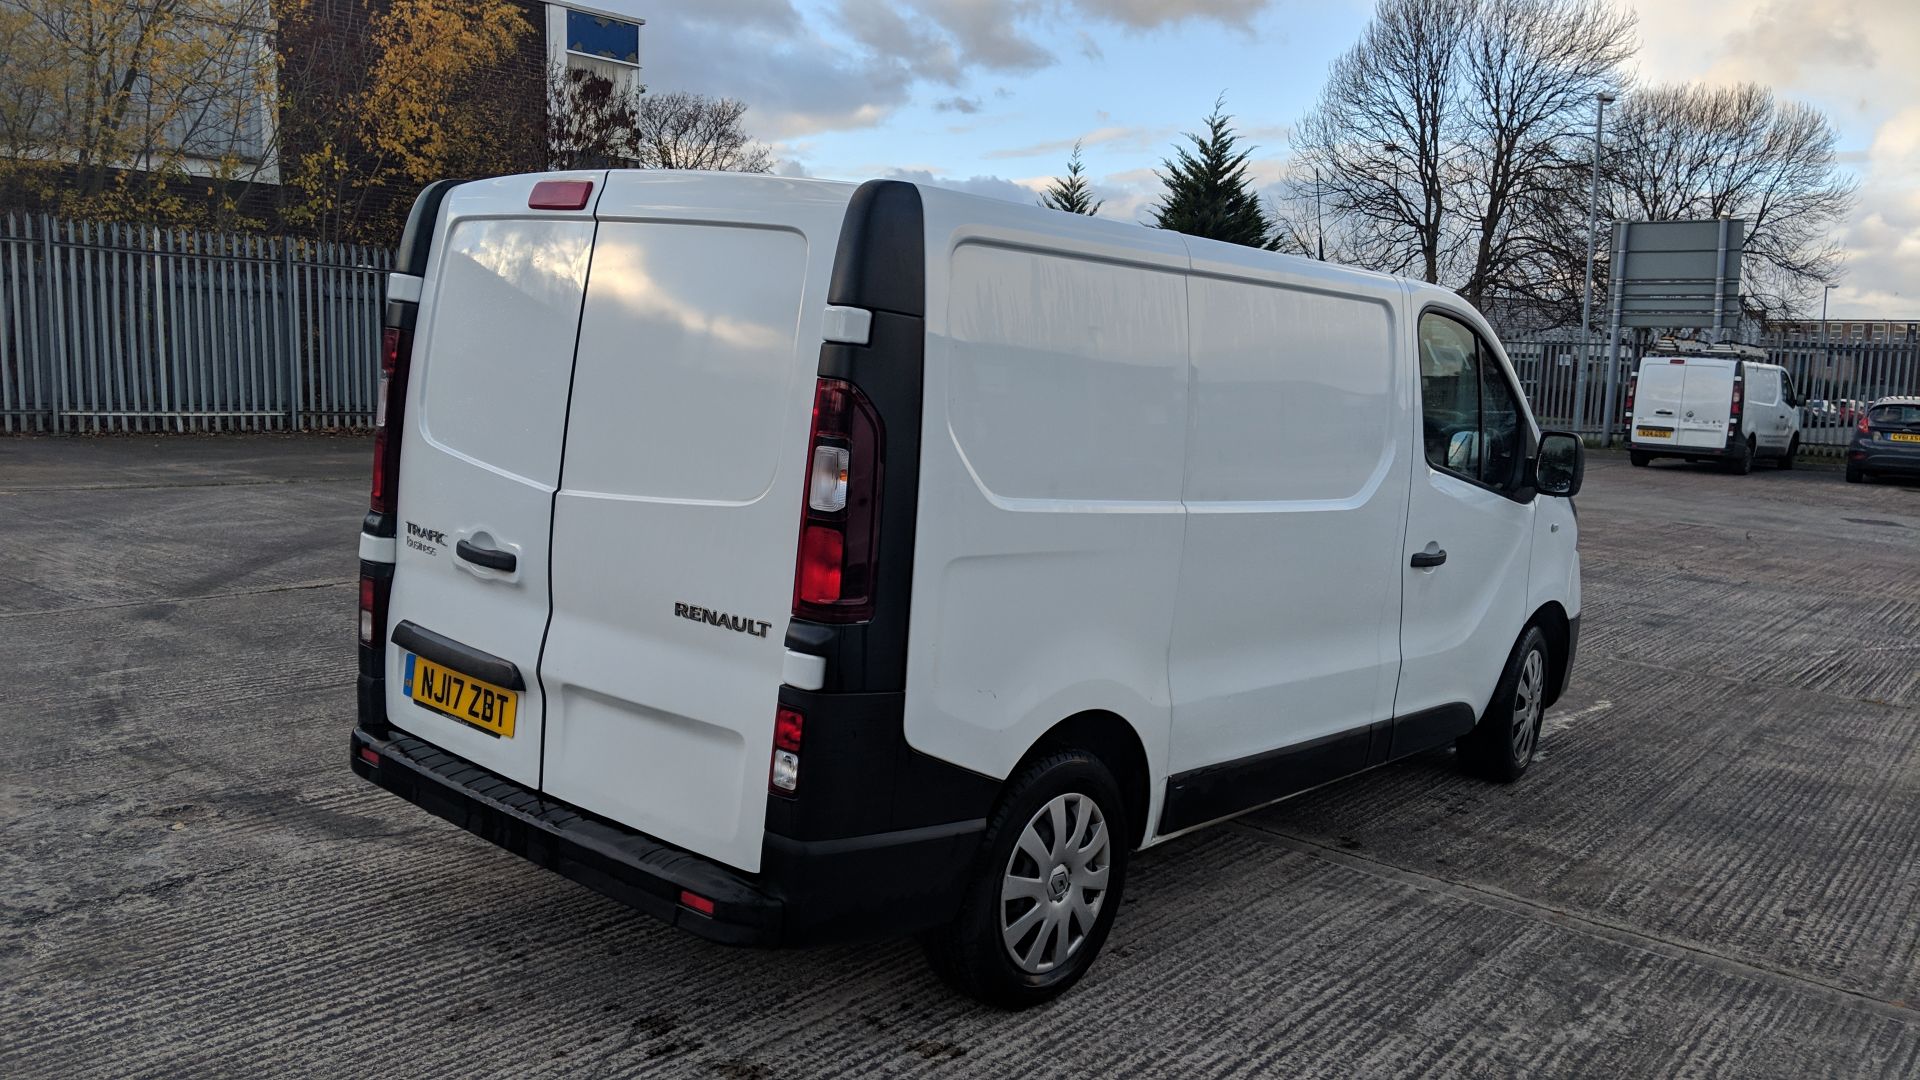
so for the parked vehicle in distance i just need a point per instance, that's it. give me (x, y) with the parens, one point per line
(1719, 403)
(1887, 441)
(798, 562)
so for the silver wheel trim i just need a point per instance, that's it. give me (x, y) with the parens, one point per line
(1055, 883)
(1527, 698)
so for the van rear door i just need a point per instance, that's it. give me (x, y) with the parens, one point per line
(1706, 403)
(480, 458)
(1657, 396)
(678, 515)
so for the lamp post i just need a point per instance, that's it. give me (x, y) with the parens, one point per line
(1826, 354)
(1600, 102)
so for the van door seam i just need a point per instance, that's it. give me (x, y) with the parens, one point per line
(553, 504)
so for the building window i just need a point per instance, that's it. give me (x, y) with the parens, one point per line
(603, 38)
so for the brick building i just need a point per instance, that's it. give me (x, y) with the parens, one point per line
(1871, 331)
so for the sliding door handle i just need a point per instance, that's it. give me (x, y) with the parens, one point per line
(1427, 560)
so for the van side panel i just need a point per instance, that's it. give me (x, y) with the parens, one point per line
(1051, 465)
(1287, 625)
(679, 508)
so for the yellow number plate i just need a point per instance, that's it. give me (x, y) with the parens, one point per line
(1654, 432)
(459, 695)
(1898, 436)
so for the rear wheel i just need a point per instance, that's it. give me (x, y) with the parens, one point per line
(1854, 475)
(1742, 462)
(1640, 460)
(1793, 451)
(1044, 888)
(1501, 746)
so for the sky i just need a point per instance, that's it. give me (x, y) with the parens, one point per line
(989, 95)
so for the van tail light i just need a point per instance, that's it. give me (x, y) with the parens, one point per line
(1739, 392)
(783, 775)
(1633, 383)
(373, 609)
(396, 354)
(833, 577)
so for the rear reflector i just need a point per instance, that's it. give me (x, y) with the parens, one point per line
(560, 195)
(696, 902)
(367, 755)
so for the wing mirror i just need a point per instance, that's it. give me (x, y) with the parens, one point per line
(1560, 465)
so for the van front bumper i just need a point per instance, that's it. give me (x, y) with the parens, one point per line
(808, 892)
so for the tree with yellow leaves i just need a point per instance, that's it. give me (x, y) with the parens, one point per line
(122, 108)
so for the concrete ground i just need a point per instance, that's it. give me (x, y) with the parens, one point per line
(1713, 870)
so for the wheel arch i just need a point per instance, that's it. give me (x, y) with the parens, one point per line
(1552, 620)
(1109, 737)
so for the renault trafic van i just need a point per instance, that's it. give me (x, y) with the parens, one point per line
(796, 561)
(1721, 403)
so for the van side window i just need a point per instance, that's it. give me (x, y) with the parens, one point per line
(1450, 395)
(1469, 410)
(1764, 386)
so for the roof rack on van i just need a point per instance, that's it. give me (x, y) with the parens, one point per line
(1671, 346)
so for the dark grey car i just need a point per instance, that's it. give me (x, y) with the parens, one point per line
(1887, 442)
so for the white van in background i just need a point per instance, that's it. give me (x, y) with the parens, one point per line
(1712, 403)
(797, 561)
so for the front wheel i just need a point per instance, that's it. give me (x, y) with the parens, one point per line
(1501, 746)
(1044, 887)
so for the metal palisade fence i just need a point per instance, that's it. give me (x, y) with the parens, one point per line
(135, 328)
(1834, 381)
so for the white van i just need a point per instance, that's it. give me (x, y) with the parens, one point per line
(1722, 403)
(797, 561)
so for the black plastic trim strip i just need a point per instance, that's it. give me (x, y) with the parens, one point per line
(1198, 796)
(462, 658)
(880, 265)
(1212, 792)
(1430, 728)
(416, 242)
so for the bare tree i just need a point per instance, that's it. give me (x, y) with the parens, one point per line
(1380, 141)
(591, 121)
(1445, 133)
(1703, 152)
(680, 130)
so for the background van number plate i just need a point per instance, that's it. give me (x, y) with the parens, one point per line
(461, 696)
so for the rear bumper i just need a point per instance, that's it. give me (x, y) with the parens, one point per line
(808, 892)
(1668, 449)
(1884, 457)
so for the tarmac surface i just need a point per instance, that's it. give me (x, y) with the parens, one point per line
(1712, 871)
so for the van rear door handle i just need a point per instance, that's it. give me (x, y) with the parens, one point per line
(503, 561)
(1426, 560)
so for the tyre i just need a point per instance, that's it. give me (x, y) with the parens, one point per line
(1742, 463)
(1793, 451)
(1639, 459)
(1501, 745)
(1044, 888)
(1854, 475)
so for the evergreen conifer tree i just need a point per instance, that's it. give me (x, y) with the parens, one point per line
(1208, 191)
(1072, 192)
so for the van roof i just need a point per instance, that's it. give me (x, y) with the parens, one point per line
(1115, 227)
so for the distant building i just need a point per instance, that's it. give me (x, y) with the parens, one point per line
(1838, 331)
